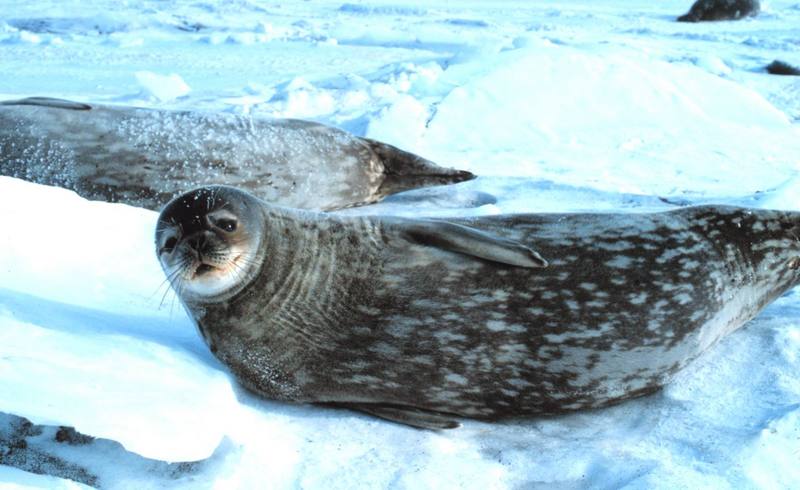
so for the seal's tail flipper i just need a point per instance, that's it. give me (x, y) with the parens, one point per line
(49, 102)
(404, 171)
(415, 417)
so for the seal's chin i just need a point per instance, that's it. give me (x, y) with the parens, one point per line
(219, 268)
(205, 280)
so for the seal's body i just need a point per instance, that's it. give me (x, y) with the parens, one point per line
(420, 320)
(711, 10)
(145, 157)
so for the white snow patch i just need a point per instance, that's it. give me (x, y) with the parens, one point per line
(401, 123)
(162, 87)
(14, 479)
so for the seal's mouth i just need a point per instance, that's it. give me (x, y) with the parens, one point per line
(208, 266)
(203, 269)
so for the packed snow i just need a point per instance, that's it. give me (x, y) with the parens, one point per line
(558, 106)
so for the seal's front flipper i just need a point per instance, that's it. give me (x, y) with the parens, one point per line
(469, 241)
(49, 102)
(415, 417)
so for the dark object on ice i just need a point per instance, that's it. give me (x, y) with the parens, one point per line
(72, 437)
(423, 321)
(707, 10)
(145, 157)
(17, 452)
(94, 462)
(779, 67)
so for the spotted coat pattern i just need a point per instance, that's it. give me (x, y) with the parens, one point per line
(351, 310)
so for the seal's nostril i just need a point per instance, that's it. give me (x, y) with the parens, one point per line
(169, 245)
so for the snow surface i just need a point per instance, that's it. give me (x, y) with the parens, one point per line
(14, 479)
(558, 105)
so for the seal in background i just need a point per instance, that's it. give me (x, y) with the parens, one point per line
(145, 157)
(710, 10)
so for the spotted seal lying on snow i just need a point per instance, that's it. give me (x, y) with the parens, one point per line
(422, 321)
(145, 157)
(709, 10)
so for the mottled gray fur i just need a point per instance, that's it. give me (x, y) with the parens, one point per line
(363, 313)
(145, 157)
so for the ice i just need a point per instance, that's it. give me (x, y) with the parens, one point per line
(108, 289)
(558, 106)
(133, 387)
(639, 108)
(404, 120)
(163, 87)
(14, 479)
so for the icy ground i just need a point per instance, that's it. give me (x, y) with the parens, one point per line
(558, 105)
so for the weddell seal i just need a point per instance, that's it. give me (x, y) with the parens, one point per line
(710, 10)
(145, 157)
(420, 321)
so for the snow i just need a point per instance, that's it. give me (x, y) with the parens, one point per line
(163, 87)
(564, 105)
(14, 479)
(51, 302)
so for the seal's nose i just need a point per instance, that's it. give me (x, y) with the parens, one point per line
(199, 245)
(198, 242)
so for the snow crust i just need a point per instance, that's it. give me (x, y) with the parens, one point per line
(14, 479)
(558, 106)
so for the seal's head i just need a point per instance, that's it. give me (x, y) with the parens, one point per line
(208, 242)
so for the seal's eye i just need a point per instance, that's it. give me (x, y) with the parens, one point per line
(169, 245)
(226, 224)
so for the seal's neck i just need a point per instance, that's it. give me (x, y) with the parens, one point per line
(313, 265)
